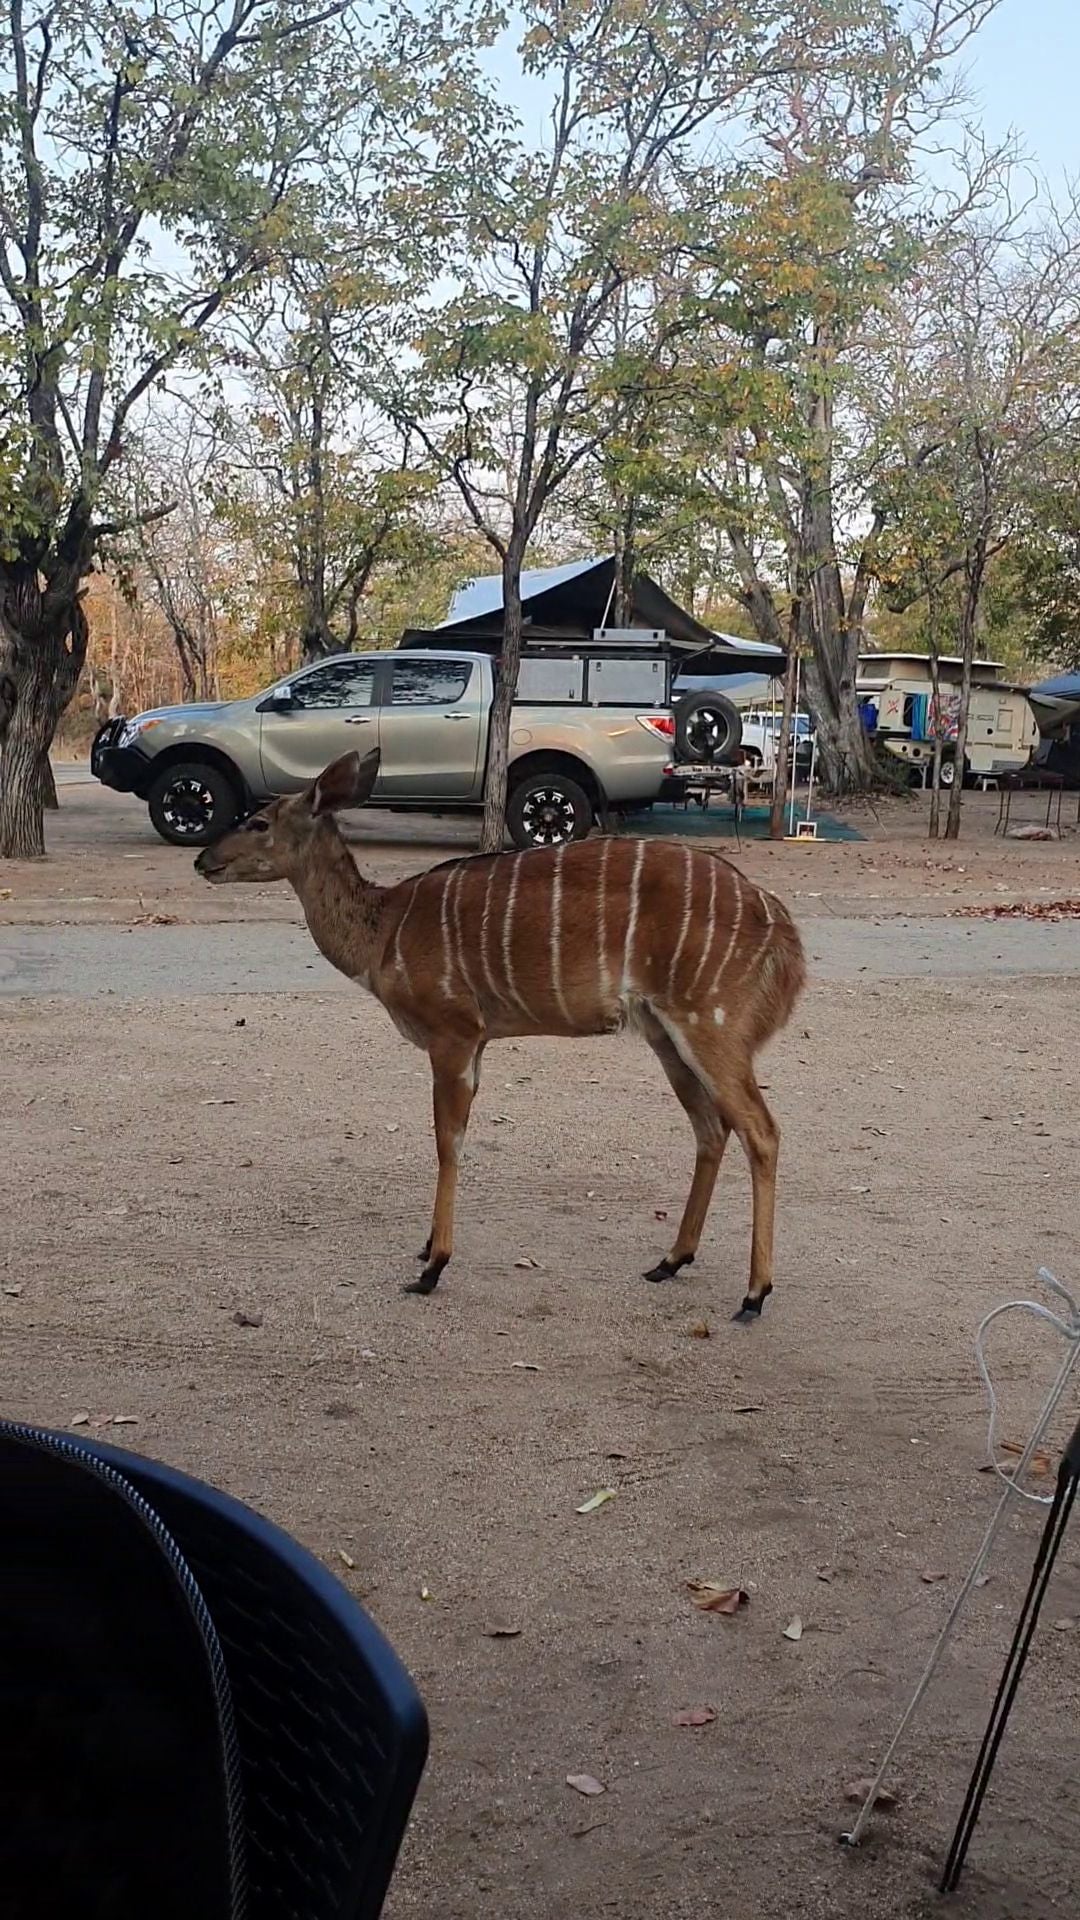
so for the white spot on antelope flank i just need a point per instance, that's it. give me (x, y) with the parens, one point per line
(692, 1018)
(719, 1016)
(556, 934)
(683, 1048)
(631, 919)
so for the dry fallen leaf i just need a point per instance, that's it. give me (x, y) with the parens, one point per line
(525, 1366)
(825, 1574)
(242, 1319)
(501, 1633)
(751, 1407)
(794, 1629)
(1064, 1626)
(13, 1292)
(125, 1420)
(932, 1576)
(584, 1783)
(715, 1596)
(346, 1557)
(596, 1500)
(659, 1213)
(699, 1330)
(857, 1790)
(526, 1263)
(425, 1593)
(1040, 1463)
(694, 1717)
(217, 1103)
(393, 1127)
(81, 1420)
(6, 893)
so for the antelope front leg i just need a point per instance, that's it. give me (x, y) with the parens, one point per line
(453, 1086)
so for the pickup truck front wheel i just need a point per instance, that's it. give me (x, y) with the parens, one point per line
(547, 809)
(192, 803)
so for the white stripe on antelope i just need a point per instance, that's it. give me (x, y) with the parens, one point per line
(578, 939)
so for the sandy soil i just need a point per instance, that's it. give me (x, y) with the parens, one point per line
(826, 1459)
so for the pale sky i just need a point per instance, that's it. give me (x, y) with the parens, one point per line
(1025, 67)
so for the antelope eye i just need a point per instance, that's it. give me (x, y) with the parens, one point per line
(258, 826)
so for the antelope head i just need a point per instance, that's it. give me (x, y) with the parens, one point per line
(275, 843)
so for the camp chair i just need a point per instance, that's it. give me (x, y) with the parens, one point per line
(197, 1722)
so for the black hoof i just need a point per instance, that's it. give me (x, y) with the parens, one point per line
(749, 1311)
(427, 1281)
(666, 1269)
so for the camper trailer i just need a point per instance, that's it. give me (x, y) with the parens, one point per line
(1002, 729)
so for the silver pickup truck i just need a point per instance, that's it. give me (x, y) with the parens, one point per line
(589, 744)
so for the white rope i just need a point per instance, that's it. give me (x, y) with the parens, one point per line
(1069, 1328)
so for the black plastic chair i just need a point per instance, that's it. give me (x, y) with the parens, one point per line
(197, 1722)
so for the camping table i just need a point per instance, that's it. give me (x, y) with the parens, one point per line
(1036, 780)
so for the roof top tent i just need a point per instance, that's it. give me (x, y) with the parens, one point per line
(569, 606)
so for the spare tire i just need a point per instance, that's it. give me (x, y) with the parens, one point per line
(708, 729)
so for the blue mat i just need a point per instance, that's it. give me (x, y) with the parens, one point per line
(718, 822)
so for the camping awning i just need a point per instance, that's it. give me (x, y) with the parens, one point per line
(1056, 701)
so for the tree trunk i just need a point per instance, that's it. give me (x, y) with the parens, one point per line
(493, 830)
(974, 572)
(47, 780)
(46, 662)
(623, 597)
(939, 717)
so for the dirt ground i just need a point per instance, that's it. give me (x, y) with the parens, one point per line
(107, 864)
(826, 1460)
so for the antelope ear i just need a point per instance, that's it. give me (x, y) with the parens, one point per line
(345, 783)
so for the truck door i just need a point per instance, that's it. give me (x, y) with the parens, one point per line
(330, 712)
(430, 729)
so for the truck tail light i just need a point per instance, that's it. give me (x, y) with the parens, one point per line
(659, 723)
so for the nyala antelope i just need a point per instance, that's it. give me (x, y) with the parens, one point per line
(577, 939)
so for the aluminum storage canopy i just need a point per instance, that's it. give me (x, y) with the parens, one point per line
(563, 606)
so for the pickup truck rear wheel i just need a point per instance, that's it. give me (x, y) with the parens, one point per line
(192, 803)
(546, 809)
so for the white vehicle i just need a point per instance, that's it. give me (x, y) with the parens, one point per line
(761, 731)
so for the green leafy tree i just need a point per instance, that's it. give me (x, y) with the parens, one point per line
(312, 478)
(790, 251)
(497, 369)
(980, 363)
(153, 164)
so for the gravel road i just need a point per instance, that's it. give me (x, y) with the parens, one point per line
(144, 962)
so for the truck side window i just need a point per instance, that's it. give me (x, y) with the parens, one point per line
(429, 683)
(340, 683)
